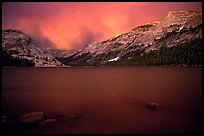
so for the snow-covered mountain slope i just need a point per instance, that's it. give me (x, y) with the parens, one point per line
(178, 27)
(21, 46)
(62, 53)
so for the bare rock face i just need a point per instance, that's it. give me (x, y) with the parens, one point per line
(153, 106)
(32, 118)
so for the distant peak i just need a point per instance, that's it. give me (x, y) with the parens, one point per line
(12, 30)
(154, 23)
(146, 26)
(182, 12)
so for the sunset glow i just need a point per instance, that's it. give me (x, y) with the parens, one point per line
(73, 25)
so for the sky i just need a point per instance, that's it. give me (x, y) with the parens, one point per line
(73, 25)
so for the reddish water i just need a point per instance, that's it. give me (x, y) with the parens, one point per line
(109, 99)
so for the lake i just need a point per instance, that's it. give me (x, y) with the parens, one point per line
(108, 99)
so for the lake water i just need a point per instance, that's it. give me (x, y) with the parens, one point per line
(109, 99)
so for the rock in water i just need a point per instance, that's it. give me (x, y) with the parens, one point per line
(33, 117)
(48, 122)
(4, 119)
(153, 106)
(67, 116)
(4, 125)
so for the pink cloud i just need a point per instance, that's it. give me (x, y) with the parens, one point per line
(72, 25)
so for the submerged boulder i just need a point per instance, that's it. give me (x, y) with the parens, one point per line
(4, 125)
(48, 122)
(33, 117)
(153, 106)
(67, 116)
(4, 119)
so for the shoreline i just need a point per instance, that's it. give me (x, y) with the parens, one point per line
(172, 66)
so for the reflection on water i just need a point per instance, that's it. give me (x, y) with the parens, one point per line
(109, 99)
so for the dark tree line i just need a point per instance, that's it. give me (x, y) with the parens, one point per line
(8, 60)
(188, 53)
(78, 61)
(185, 54)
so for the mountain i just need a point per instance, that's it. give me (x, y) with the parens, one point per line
(175, 40)
(57, 53)
(20, 49)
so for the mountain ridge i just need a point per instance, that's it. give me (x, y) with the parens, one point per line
(177, 28)
(179, 35)
(21, 49)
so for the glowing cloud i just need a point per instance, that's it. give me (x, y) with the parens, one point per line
(73, 25)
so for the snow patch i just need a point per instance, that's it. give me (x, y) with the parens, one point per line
(180, 28)
(115, 59)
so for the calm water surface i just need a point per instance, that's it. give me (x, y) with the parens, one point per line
(109, 99)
